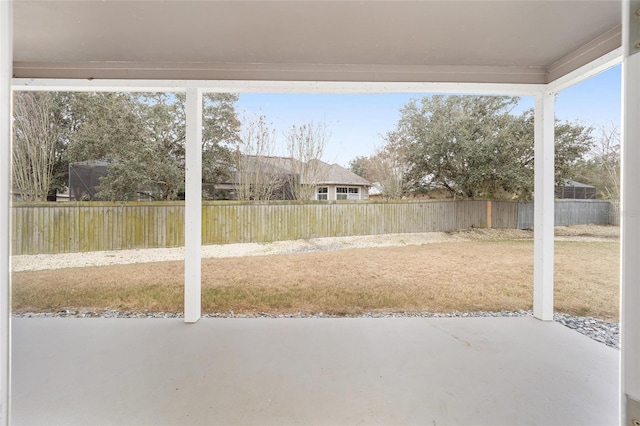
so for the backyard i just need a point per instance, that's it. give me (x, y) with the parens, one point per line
(472, 271)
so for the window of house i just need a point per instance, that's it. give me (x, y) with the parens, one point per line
(323, 193)
(344, 193)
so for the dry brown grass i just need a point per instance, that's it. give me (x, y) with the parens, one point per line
(587, 279)
(445, 277)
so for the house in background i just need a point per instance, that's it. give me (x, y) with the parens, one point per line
(274, 176)
(337, 183)
(53, 195)
(331, 181)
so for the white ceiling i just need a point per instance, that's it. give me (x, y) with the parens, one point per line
(517, 41)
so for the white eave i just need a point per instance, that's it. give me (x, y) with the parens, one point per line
(499, 42)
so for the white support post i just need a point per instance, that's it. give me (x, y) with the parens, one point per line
(6, 71)
(543, 220)
(193, 207)
(630, 215)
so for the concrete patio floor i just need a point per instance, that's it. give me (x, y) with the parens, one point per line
(343, 371)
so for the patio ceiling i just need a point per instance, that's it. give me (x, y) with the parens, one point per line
(393, 41)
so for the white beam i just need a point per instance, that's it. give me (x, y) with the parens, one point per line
(198, 71)
(6, 67)
(598, 48)
(247, 86)
(193, 207)
(543, 220)
(630, 212)
(587, 71)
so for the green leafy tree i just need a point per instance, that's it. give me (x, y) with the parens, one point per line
(220, 137)
(474, 146)
(61, 109)
(359, 166)
(109, 128)
(161, 161)
(142, 138)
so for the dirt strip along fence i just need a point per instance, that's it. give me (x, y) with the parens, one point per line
(69, 227)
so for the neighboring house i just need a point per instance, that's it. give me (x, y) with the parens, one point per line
(575, 190)
(16, 195)
(53, 195)
(331, 181)
(277, 177)
(337, 183)
(375, 191)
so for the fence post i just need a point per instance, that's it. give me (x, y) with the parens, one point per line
(488, 214)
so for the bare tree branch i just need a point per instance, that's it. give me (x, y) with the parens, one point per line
(34, 143)
(305, 144)
(256, 177)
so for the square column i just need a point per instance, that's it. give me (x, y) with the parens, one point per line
(193, 207)
(630, 215)
(6, 71)
(543, 214)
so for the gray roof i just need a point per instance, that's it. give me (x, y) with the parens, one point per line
(280, 165)
(327, 174)
(335, 174)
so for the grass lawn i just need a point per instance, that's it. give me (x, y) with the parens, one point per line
(441, 277)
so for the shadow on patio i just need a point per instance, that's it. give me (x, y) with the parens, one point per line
(310, 371)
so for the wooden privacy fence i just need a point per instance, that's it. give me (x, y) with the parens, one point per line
(614, 213)
(574, 212)
(92, 226)
(69, 227)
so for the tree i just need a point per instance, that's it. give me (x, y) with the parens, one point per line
(473, 146)
(262, 176)
(220, 137)
(572, 143)
(256, 177)
(110, 128)
(360, 165)
(601, 167)
(305, 144)
(38, 146)
(386, 169)
(388, 172)
(142, 137)
(389, 166)
(61, 109)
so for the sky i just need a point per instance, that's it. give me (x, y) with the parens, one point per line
(356, 124)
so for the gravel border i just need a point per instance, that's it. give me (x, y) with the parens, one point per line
(600, 331)
(604, 332)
